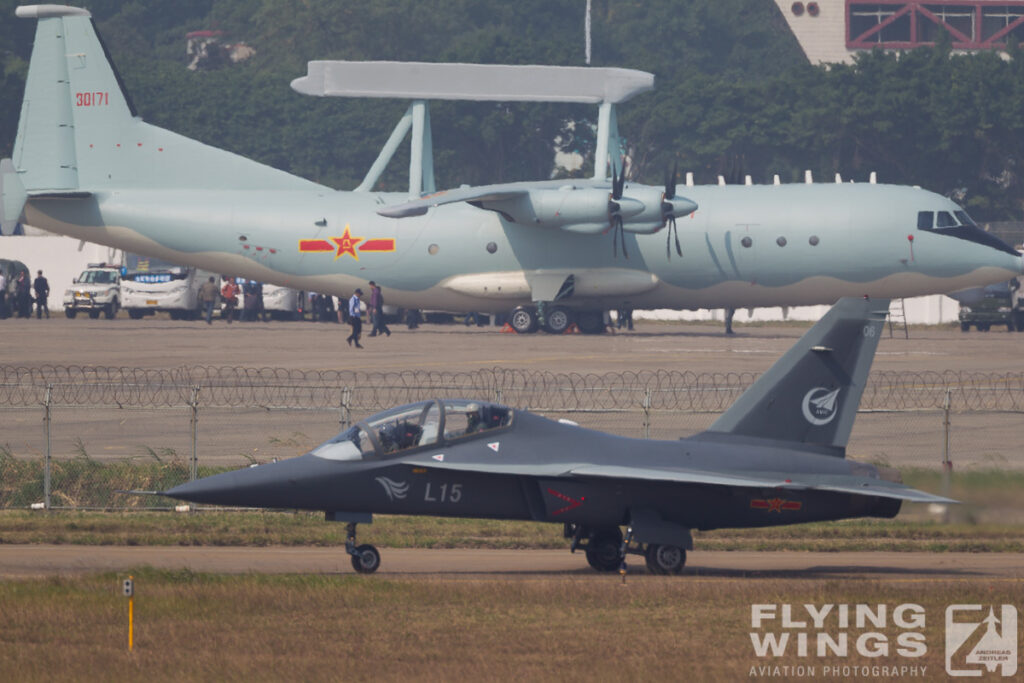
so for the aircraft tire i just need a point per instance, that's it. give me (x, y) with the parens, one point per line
(70, 313)
(557, 320)
(590, 322)
(603, 550)
(523, 320)
(665, 559)
(94, 314)
(366, 560)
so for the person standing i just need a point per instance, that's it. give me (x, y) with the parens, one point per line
(22, 298)
(354, 319)
(3, 295)
(229, 292)
(376, 310)
(42, 288)
(208, 297)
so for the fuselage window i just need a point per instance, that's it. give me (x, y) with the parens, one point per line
(925, 220)
(944, 219)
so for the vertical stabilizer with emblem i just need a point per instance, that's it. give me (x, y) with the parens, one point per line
(812, 393)
(79, 131)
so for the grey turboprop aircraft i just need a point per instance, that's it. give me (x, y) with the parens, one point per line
(86, 165)
(776, 456)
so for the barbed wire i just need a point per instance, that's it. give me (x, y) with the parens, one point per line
(228, 386)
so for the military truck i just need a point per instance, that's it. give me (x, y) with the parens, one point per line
(994, 306)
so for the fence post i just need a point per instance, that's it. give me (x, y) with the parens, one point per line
(647, 413)
(497, 396)
(46, 461)
(193, 466)
(346, 408)
(947, 463)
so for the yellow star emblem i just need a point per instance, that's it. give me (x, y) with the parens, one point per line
(346, 244)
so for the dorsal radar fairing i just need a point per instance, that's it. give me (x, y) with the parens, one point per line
(424, 81)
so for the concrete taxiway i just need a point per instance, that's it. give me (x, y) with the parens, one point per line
(23, 561)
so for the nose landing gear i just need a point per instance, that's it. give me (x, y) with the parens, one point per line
(365, 558)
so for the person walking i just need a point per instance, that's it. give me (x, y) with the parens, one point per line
(354, 319)
(229, 292)
(208, 297)
(376, 310)
(42, 288)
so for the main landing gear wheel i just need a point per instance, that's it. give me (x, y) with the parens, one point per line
(665, 559)
(366, 559)
(604, 550)
(590, 322)
(523, 320)
(556, 320)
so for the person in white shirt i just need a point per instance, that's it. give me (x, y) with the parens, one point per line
(354, 319)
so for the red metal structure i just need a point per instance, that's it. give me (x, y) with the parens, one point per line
(899, 24)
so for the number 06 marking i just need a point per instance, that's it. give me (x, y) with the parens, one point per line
(870, 331)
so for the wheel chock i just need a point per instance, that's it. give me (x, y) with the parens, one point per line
(572, 329)
(508, 329)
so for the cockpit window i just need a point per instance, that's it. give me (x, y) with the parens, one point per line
(406, 427)
(351, 444)
(959, 225)
(414, 426)
(964, 218)
(464, 418)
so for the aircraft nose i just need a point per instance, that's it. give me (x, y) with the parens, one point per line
(279, 484)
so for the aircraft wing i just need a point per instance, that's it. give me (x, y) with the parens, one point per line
(480, 193)
(838, 483)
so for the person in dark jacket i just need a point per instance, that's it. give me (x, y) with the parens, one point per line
(42, 288)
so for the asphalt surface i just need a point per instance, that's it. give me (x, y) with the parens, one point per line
(24, 561)
(695, 347)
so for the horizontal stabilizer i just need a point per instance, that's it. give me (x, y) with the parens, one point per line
(478, 82)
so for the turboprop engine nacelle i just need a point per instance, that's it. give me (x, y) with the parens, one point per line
(590, 210)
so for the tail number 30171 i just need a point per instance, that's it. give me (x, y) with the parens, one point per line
(92, 99)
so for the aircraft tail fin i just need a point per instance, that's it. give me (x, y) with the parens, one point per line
(79, 129)
(811, 394)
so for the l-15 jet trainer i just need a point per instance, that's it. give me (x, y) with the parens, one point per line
(554, 251)
(777, 456)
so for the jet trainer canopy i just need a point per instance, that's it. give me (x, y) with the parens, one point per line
(426, 423)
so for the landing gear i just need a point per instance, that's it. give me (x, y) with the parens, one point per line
(556, 319)
(606, 550)
(365, 558)
(664, 559)
(523, 320)
(590, 322)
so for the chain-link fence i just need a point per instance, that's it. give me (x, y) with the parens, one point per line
(72, 437)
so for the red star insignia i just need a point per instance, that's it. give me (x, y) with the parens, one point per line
(346, 244)
(775, 505)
